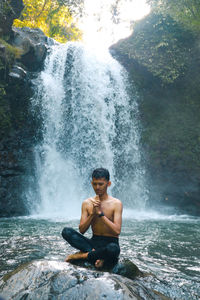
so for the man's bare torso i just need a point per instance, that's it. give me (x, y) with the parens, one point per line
(108, 207)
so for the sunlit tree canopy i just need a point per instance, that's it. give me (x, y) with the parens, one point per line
(52, 17)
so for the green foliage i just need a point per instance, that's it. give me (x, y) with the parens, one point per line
(12, 52)
(186, 12)
(52, 17)
(160, 45)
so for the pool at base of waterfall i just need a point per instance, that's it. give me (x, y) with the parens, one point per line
(166, 247)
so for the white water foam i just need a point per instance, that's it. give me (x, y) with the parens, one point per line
(140, 215)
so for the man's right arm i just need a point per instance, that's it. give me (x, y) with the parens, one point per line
(87, 215)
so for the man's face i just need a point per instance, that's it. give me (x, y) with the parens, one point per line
(100, 185)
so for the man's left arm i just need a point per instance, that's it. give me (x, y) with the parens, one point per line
(116, 225)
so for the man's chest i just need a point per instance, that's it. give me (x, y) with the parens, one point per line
(108, 210)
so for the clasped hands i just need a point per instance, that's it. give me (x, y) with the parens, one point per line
(96, 205)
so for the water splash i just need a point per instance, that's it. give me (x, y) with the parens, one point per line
(88, 121)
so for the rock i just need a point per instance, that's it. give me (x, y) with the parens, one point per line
(59, 280)
(128, 269)
(33, 44)
(16, 146)
(21, 50)
(124, 267)
(18, 71)
(17, 124)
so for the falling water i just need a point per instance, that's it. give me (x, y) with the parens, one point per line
(88, 121)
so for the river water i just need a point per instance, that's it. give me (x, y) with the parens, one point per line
(166, 246)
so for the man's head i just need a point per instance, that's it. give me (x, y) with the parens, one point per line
(101, 173)
(100, 181)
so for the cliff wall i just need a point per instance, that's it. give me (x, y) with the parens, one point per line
(22, 53)
(163, 60)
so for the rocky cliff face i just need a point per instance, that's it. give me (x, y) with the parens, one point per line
(22, 53)
(163, 60)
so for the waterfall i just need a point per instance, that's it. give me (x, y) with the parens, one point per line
(88, 121)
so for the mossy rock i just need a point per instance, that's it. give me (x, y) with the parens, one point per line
(160, 45)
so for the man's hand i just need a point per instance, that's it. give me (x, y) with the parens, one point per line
(88, 212)
(96, 205)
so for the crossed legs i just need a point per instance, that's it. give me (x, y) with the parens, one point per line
(95, 252)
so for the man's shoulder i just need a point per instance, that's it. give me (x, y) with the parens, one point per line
(87, 201)
(115, 200)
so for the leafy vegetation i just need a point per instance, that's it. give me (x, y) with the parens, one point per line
(11, 51)
(52, 17)
(186, 12)
(160, 45)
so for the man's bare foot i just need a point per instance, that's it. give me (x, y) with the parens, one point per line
(77, 255)
(99, 263)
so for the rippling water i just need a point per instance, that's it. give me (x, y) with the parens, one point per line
(166, 247)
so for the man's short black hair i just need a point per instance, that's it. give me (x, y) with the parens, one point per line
(101, 173)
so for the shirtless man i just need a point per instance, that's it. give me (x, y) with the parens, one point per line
(104, 214)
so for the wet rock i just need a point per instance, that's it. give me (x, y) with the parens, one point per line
(128, 269)
(18, 71)
(58, 280)
(124, 267)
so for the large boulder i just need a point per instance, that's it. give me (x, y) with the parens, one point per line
(59, 280)
(33, 44)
